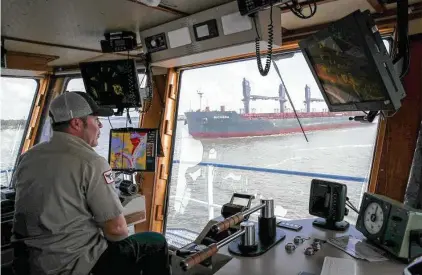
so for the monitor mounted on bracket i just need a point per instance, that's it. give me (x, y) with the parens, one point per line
(352, 67)
(112, 83)
(134, 149)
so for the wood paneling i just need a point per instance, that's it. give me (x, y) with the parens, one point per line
(36, 113)
(161, 115)
(167, 126)
(147, 180)
(135, 218)
(397, 135)
(29, 61)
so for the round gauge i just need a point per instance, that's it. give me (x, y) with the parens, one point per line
(373, 218)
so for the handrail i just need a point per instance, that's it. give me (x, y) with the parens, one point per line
(5, 171)
(266, 170)
(276, 171)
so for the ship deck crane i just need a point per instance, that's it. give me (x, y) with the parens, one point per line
(247, 97)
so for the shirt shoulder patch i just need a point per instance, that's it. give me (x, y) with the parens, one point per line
(108, 176)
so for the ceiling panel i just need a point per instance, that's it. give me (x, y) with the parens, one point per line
(326, 12)
(192, 6)
(76, 22)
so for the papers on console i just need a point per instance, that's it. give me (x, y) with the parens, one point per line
(358, 248)
(337, 266)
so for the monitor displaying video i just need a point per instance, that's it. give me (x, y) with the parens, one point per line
(352, 66)
(344, 70)
(133, 149)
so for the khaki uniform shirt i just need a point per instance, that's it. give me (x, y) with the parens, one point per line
(64, 189)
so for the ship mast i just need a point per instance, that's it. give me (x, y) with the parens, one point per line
(200, 99)
(247, 97)
(308, 99)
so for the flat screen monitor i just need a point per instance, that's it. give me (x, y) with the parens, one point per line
(328, 201)
(352, 66)
(133, 149)
(112, 83)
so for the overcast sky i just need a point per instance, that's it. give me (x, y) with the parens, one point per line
(222, 85)
(16, 97)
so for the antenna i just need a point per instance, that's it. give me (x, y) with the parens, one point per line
(288, 95)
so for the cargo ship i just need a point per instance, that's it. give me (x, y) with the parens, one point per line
(230, 124)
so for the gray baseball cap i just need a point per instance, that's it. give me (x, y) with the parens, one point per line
(75, 104)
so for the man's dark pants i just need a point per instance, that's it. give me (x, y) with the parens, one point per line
(142, 253)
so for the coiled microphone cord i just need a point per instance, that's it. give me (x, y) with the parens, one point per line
(264, 71)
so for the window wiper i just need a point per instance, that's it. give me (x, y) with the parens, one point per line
(290, 100)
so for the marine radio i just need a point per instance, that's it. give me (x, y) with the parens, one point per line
(391, 225)
(121, 41)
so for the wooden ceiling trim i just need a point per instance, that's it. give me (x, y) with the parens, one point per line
(162, 8)
(29, 61)
(50, 44)
(58, 45)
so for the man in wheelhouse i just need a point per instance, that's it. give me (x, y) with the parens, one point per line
(68, 216)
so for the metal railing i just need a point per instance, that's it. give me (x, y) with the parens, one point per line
(256, 169)
(276, 171)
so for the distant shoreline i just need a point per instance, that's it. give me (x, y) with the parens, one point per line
(11, 123)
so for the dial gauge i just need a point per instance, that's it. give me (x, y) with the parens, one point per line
(373, 218)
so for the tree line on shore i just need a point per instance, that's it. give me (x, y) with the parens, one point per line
(12, 123)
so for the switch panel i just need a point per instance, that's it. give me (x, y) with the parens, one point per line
(205, 30)
(156, 42)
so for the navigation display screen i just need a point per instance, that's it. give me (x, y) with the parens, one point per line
(344, 71)
(112, 83)
(320, 200)
(133, 149)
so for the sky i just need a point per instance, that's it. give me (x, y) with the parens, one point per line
(16, 96)
(222, 85)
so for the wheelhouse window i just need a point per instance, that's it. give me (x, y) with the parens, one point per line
(237, 132)
(16, 101)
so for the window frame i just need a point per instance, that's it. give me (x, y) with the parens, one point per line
(180, 72)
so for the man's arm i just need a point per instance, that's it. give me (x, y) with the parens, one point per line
(115, 229)
(103, 200)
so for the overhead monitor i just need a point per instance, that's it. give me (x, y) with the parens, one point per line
(352, 67)
(112, 83)
(133, 149)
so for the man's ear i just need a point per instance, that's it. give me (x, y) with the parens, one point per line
(76, 124)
